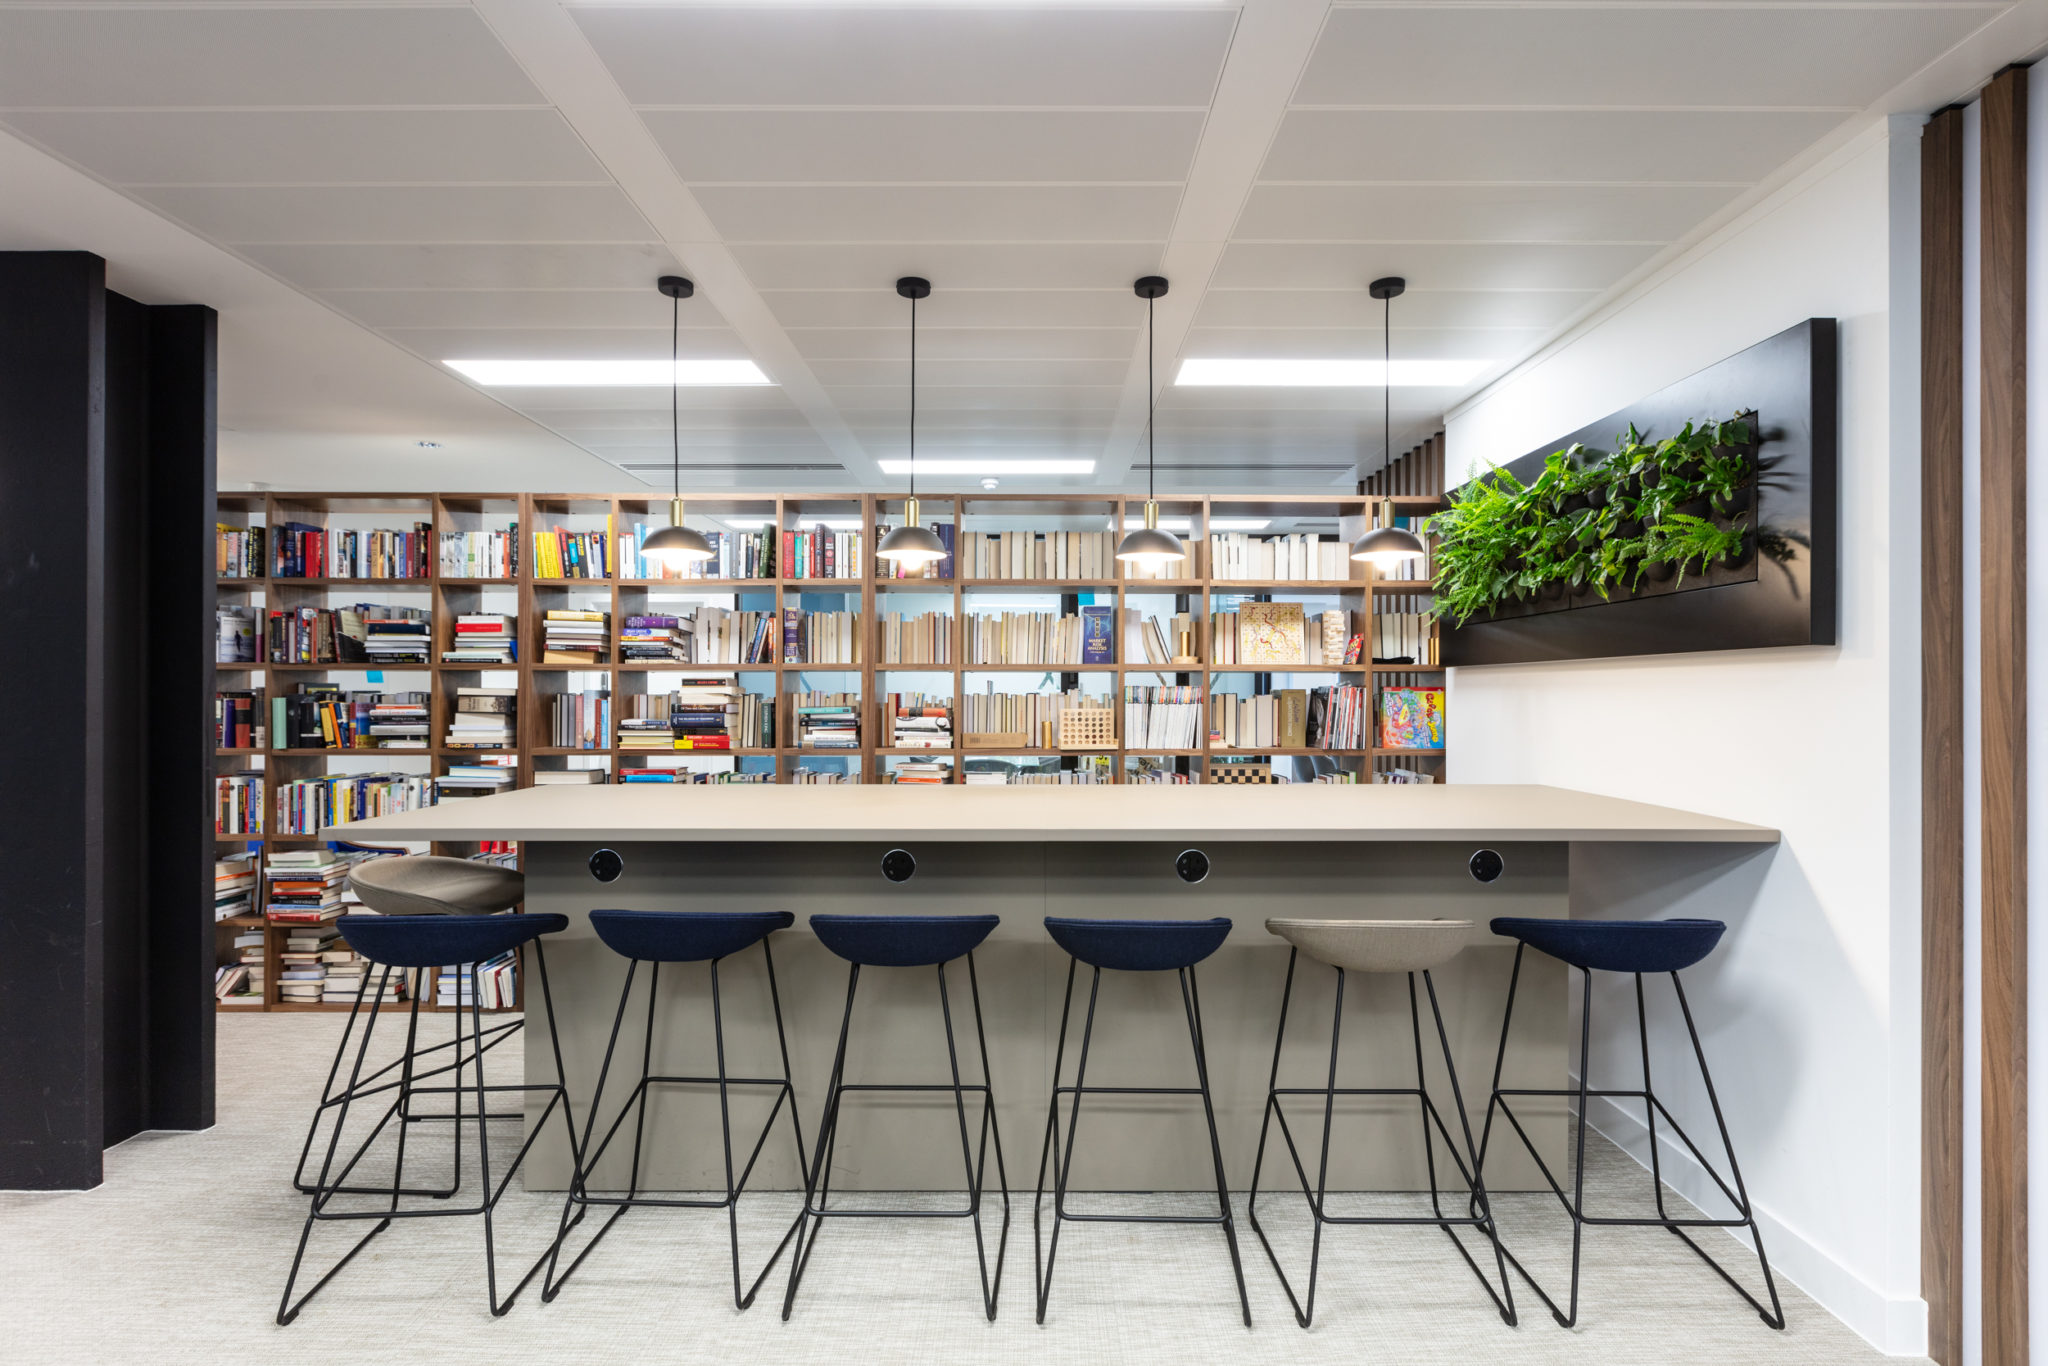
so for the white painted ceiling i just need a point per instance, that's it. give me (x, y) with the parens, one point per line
(508, 177)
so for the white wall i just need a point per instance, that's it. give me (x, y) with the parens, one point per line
(1809, 1010)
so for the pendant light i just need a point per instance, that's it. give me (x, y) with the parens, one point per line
(911, 545)
(675, 545)
(1148, 547)
(1387, 545)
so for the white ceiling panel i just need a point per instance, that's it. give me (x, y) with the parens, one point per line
(470, 265)
(892, 344)
(407, 213)
(576, 343)
(938, 373)
(777, 55)
(1478, 213)
(527, 308)
(1349, 266)
(1628, 55)
(1363, 342)
(770, 424)
(1530, 146)
(1099, 399)
(301, 147)
(137, 57)
(1069, 213)
(901, 146)
(948, 265)
(882, 308)
(1421, 306)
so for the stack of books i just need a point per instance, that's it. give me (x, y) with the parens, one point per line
(820, 637)
(234, 635)
(231, 986)
(494, 988)
(1163, 717)
(302, 963)
(483, 718)
(352, 977)
(480, 554)
(305, 885)
(703, 713)
(399, 636)
(653, 638)
(580, 720)
(569, 636)
(567, 777)
(914, 721)
(926, 638)
(491, 773)
(483, 638)
(645, 726)
(928, 772)
(237, 551)
(826, 720)
(398, 720)
(234, 885)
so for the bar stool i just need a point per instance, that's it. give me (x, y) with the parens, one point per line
(409, 942)
(907, 941)
(1128, 946)
(1407, 947)
(1634, 947)
(416, 885)
(654, 938)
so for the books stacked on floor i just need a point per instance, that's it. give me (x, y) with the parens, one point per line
(1402, 775)
(487, 774)
(238, 803)
(941, 568)
(721, 636)
(483, 638)
(303, 807)
(398, 720)
(820, 637)
(302, 964)
(1039, 637)
(352, 977)
(494, 988)
(237, 551)
(234, 885)
(1302, 557)
(397, 635)
(1404, 638)
(1411, 718)
(481, 554)
(1167, 717)
(573, 636)
(926, 638)
(653, 638)
(1036, 555)
(580, 720)
(915, 721)
(1160, 644)
(235, 721)
(567, 777)
(305, 885)
(482, 718)
(1034, 715)
(734, 555)
(821, 553)
(569, 555)
(231, 986)
(1258, 635)
(820, 777)
(925, 772)
(826, 720)
(234, 635)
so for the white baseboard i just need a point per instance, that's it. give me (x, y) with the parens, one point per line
(1896, 1327)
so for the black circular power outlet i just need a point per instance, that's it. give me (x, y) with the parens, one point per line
(1192, 865)
(1486, 866)
(606, 865)
(898, 865)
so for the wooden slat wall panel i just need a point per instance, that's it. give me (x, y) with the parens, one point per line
(1416, 473)
(1941, 734)
(2003, 255)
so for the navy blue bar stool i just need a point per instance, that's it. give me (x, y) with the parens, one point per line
(1408, 947)
(410, 942)
(1635, 947)
(1127, 946)
(654, 938)
(908, 941)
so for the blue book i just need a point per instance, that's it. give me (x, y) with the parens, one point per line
(1098, 635)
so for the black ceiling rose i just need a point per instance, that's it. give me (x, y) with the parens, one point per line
(1150, 287)
(914, 287)
(1387, 287)
(675, 287)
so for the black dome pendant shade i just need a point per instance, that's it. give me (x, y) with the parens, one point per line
(675, 544)
(1149, 546)
(911, 545)
(1387, 545)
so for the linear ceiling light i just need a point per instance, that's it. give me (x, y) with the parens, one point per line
(930, 466)
(1328, 374)
(608, 374)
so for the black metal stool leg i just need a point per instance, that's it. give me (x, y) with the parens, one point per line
(1064, 1165)
(827, 1127)
(1048, 1151)
(1505, 1301)
(558, 1098)
(1192, 1000)
(585, 1154)
(1270, 1113)
(990, 1290)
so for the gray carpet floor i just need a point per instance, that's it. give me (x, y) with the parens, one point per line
(181, 1254)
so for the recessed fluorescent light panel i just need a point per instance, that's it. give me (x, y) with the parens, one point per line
(1328, 374)
(607, 374)
(926, 465)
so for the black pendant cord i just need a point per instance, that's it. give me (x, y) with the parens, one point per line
(1151, 410)
(1387, 384)
(913, 397)
(675, 402)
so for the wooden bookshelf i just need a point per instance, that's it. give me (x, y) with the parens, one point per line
(525, 597)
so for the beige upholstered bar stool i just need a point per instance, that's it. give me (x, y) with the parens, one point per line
(1410, 947)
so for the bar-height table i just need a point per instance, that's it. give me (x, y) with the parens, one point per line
(1023, 853)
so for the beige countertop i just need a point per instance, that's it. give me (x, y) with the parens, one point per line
(744, 812)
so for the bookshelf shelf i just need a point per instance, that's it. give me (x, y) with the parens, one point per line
(602, 519)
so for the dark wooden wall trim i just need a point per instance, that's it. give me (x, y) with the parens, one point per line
(2003, 362)
(1941, 734)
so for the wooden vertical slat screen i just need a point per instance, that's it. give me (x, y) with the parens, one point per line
(1941, 734)
(2003, 370)
(1416, 473)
